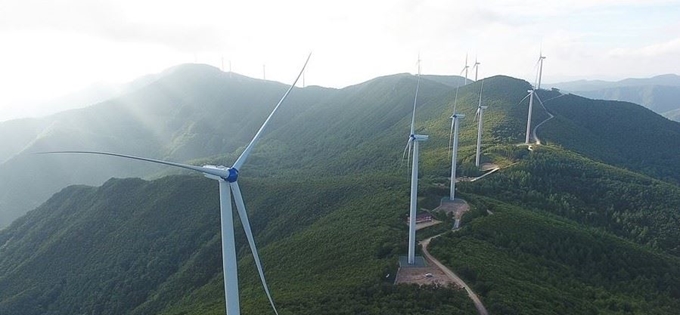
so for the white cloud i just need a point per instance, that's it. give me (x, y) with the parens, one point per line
(670, 47)
(70, 43)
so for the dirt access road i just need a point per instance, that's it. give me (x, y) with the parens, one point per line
(457, 280)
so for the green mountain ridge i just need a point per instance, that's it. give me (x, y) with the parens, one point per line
(659, 93)
(190, 112)
(173, 118)
(570, 229)
(618, 133)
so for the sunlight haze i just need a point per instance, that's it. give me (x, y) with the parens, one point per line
(51, 49)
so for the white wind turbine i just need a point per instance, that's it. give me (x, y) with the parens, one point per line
(413, 141)
(453, 143)
(465, 69)
(540, 69)
(454, 155)
(227, 177)
(476, 67)
(479, 115)
(531, 95)
(531, 92)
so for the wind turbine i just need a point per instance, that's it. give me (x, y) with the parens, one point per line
(454, 156)
(479, 115)
(540, 69)
(227, 177)
(413, 142)
(539, 63)
(531, 95)
(476, 67)
(465, 69)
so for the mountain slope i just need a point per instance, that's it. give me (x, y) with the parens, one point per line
(175, 247)
(619, 133)
(660, 99)
(197, 112)
(525, 263)
(190, 112)
(327, 199)
(659, 93)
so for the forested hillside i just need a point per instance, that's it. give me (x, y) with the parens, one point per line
(528, 263)
(561, 229)
(197, 112)
(660, 93)
(618, 133)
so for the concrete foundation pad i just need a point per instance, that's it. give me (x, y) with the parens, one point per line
(418, 263)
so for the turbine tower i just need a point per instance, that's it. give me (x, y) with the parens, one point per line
(540, 69)
(539, 63)
(465, 69)
(227, 177)
(413, 142)
(479, 115)
(531, 95)
(476, 67)
(455, 122)
(531, 105)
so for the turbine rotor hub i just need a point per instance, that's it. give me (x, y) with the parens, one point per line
(233, 175)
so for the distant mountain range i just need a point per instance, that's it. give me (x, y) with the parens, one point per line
(660, 93)
(586, 223)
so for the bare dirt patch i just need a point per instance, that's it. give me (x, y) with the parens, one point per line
(457, 206)
(418, 275)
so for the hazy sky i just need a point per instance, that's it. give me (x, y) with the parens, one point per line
(53, 47)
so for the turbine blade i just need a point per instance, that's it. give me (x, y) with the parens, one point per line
(241, 207)
(520, 102)
(455, 100)
(211, 171)
(453, 122)
(539, 99)
(415, 102)
(408, 157)
(406, 149)
(481, 90)
(241, 159)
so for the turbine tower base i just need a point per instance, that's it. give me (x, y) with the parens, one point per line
(419, 262)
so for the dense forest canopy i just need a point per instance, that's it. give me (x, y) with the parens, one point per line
(586, 223)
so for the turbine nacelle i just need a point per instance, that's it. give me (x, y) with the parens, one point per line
(457, 116)
(415, 137)
(219, 172)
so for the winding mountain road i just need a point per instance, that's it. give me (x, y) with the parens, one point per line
(475, 299)
(533, 132)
